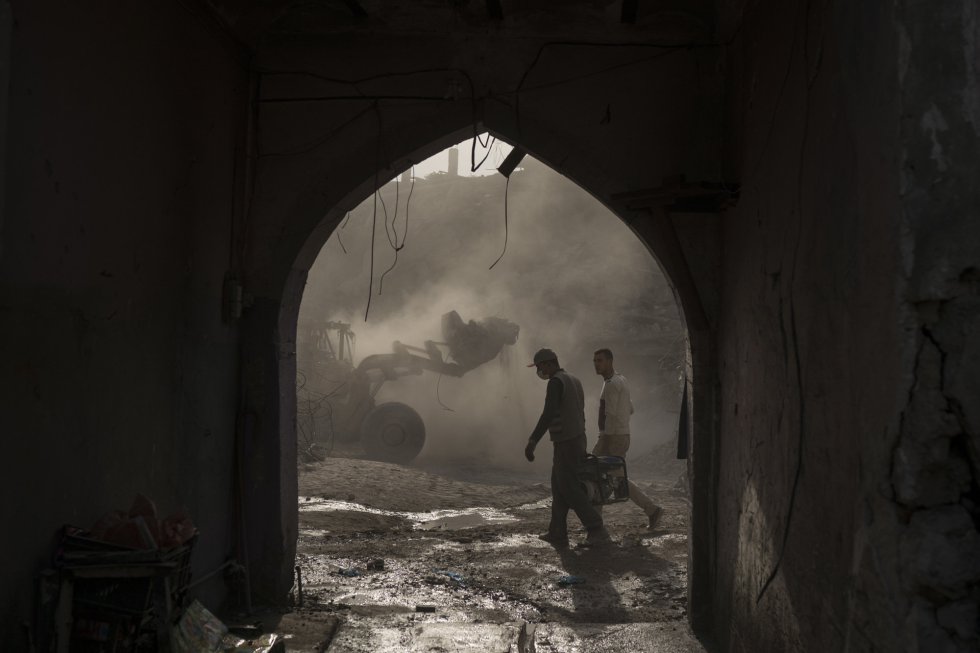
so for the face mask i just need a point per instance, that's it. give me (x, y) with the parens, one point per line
(542, 375)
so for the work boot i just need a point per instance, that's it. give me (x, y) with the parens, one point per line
(596, 537)
(655, 517)
(557, 541)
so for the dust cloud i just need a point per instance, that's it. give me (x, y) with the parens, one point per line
(573, 277)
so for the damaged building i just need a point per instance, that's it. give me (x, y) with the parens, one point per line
(804, 173)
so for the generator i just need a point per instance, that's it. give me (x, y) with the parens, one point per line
(604, 479)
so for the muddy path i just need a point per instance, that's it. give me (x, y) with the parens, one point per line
(396, 558)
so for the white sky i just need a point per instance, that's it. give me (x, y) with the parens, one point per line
(440, 162)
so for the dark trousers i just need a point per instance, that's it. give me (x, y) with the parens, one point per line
(566, 490)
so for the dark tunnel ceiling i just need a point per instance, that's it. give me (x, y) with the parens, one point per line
(614, 20)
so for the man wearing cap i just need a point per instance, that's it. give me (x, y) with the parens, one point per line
(564, 418)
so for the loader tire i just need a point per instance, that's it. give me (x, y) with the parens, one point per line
(393, 432)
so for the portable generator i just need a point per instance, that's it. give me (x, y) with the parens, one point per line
(604, 479)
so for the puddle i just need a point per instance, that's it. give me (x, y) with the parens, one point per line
(458, 519)
(664, 540)
(427, 521)
(540, 504)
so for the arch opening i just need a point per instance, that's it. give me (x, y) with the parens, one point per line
(562, 259)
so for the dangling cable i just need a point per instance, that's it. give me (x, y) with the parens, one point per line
(396, 245)
(408, 201)
(506, 228)
(374, 226)
(388, 232)
(339, 239)
(444, 406)
(374, 216)
(474, 166)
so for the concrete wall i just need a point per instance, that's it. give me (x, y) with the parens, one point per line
(120, 376)
(848, 332)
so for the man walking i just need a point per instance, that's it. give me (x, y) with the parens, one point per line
(615, 409)
(564, 418)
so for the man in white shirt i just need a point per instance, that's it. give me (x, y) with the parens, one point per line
(615, 409)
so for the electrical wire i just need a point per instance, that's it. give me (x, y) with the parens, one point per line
(374, 226)
(439, 399)
(388, 231)
(408, 201)
(374, 216)
(506, 228)
(339, 239)
(474, 166)
(394, 244)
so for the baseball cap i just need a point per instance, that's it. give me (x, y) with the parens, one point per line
(542, 355)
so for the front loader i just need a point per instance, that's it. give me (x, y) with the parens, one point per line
(336, 399)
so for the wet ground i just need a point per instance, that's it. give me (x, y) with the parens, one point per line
(396, 558)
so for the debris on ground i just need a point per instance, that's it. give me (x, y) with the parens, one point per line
(199, 631)
(348, 572)
(452, 575)
(480, 580)
(118, 584)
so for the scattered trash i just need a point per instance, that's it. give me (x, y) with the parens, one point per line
(141, 528)
(349, 572)
(199, 631)
(376, 565)
(425, 608)
(268, 643)
(451, 574)
(128, 576)
(571, 580)
(247, 631)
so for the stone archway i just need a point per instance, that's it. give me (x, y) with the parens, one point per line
(271, 327)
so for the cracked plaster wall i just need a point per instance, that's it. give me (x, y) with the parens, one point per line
(849, 332)
(119, 376)
(936, 459)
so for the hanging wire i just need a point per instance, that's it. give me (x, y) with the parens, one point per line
(408, 201)
(388, 232)
(395, 245)
(439, 399)
(474, 166)
(374, 226)
(374, 216)
(342, 225)
(506, 227)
